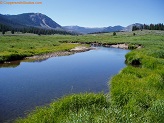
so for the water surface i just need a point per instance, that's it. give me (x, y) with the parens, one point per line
(34, 84)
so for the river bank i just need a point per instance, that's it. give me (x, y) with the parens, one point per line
(20, 47)
(78, 49)
(61, 53)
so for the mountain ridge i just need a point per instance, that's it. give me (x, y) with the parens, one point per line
(117, 28)
(40, 20)
(83, 30)
(30, 20)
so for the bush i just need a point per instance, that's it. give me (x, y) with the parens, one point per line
(133, 58)
(114, 33)
(132, 46)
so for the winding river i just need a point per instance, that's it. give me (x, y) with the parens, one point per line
(32, 84)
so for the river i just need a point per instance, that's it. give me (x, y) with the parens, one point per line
(32, 84)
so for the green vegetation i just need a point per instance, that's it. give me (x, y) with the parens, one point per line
(34, 30)
(114, 33)
(18, 47)
(70, 109)
(136, 93)
(159, 26)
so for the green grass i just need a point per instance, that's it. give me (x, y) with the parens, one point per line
(136, 93)
(17, 47)
(74, 108)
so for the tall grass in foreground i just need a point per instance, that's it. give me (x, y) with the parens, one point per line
(74, 108)
(137, 92)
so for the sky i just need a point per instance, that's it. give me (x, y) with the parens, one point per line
(92, 13)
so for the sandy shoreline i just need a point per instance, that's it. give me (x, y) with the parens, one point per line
(61, 53)
(122, 46)
(77, 49)
(74, 50)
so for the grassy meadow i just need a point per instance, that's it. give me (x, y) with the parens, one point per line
(17, 47)
(137, 92)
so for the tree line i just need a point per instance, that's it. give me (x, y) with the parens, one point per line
(34, 30)
(159, 26)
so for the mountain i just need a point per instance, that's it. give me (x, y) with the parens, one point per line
(29, 19)
(113, 29)
(39, 20)
(129, 28)
(4, 20)
(83, 30)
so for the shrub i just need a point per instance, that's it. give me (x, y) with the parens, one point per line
(114, 33)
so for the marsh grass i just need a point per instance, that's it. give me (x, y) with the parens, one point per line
(18, 47)
(73, 108)
(139, 90)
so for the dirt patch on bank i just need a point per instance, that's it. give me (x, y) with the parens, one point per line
(122, 46)
(48, 55)
(56, 54)
(81, 49)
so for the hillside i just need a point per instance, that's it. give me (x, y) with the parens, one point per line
(39, 20)
(114, 29)
(29, 20)
(85, 30)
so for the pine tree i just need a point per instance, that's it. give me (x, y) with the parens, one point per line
(0, 27)
(12, 31)
(3, 32)
(162, 27)
(151, 26)
(39, 32)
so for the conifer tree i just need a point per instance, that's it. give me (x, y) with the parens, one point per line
(12, 31)
(3, 32)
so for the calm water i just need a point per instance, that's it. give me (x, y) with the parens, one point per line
(34, 84)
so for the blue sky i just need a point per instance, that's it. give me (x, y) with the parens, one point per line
(93, 13)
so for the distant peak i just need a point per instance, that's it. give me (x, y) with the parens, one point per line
(33, 20)
(39, 14)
